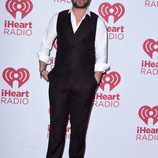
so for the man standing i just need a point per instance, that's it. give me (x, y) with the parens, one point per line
(80, 61)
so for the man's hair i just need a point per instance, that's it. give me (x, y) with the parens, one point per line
(85, 6)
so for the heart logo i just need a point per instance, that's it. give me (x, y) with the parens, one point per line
(150, 46)
(112, 79)
(21, 75)
(116, 10)
(146, 112)
(23, 6)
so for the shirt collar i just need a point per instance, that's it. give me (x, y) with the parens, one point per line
(87, 12)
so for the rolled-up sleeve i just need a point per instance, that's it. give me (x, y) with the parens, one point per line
(47, 40)
(101, 47)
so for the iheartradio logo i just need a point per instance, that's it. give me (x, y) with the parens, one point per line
(21, 75)
(112, 79)
(22, 6)
(116, 10)
(150, 46)
(147, 112)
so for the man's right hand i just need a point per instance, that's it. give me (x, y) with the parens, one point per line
(44, 74)
(42, 70)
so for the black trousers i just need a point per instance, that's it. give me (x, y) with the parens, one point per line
(69, 96)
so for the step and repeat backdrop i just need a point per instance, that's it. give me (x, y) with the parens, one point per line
(124, 119)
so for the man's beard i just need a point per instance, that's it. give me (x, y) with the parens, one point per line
(81, 5)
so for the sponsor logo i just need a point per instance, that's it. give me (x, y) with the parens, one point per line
(110, 99)
(18, 27)
(150, 46)
(21, 75)
(149, 117)
(146, 112)
(116, 11)
(150, 67)
(11, 77)
(22, 6)
(151, 3)
(112, 79)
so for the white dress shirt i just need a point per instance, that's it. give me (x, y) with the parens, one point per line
(100, 41)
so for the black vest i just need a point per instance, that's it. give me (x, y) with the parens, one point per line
(76, 51)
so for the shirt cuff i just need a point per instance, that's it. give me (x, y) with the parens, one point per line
(101, 67)
(43, 58)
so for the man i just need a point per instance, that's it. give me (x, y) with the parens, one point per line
(80, 61)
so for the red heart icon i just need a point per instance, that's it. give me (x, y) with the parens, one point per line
(146, 112)
(21, 75)
(113, 79)
(150, 46)
(23, 6)
(116, 10)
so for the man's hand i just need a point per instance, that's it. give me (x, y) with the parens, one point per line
(98, 75)
(42, 70)
(44, 74)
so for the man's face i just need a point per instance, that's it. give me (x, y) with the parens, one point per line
(80, 3)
